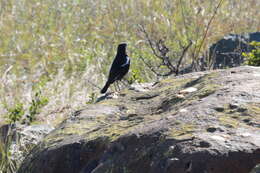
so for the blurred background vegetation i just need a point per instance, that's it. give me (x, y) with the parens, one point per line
(55, 54)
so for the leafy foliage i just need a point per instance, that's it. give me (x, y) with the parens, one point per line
(253, 57)
(16, 113)
(37, 103)
(92, 98)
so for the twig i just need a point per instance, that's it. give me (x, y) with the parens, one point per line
(5, 73)
(183, 16)
(149, 41)
(160, 50)
(154, 71)
(149, 66)
(182, 55)
(94, 85)
(208, 26)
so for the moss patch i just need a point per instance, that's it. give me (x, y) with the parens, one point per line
(206, 85)
(183, 131)
(172, 84)
(246, 114)
(229, 121)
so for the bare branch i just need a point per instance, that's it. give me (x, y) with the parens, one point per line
(149, 41)
(94, 85)
(154, 70)
(160, 50)
(208, 26)
(3, 79)
(150, 66)
(182, 55)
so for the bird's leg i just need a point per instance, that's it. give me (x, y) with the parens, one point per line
(114, 84)
(118, 87)
(124, 83)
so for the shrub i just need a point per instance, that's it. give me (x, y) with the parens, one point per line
(37, 103)
(253, 57)
(135, 77)
(15, 113)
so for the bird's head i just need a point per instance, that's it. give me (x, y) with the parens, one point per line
(122, 48)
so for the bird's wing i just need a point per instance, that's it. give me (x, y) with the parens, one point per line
(127, 61)
(116, 71)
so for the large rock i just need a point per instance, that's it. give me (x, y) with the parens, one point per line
(199, 122)
(227, 52)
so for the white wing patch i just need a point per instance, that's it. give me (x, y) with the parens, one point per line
(127, 62)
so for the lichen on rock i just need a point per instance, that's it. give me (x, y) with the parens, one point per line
(213, 128)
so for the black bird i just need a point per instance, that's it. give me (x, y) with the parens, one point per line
(119, 67)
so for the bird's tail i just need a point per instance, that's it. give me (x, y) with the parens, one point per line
(105, 88)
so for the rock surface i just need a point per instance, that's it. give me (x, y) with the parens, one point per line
(195, 123)
(227, 52)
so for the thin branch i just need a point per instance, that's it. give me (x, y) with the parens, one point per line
(94, 85)
(154, 70)
(3, 79)
(208, 26)
(149, 66)
(160, 50)
(183, 16)
(165, 59)
(182, 55)
(149, 41)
